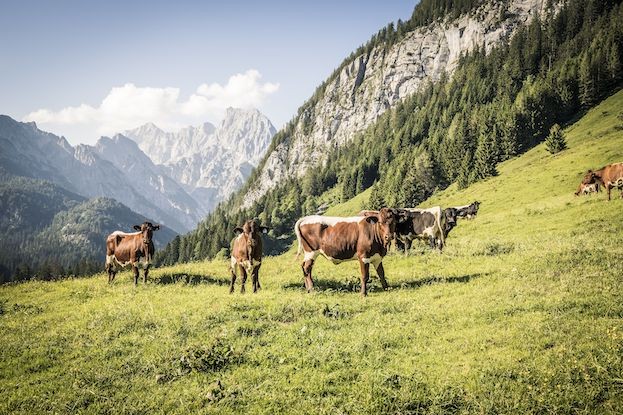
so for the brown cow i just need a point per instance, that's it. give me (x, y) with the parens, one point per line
(362, 238)
(609, 176)
(123, 249)
(246, 254)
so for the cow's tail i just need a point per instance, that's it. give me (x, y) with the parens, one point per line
(297, 231)
(440, 226)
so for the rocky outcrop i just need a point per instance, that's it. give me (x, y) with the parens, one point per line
(210, 163)
(374, 82)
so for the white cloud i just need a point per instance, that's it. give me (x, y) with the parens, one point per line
(129, 106)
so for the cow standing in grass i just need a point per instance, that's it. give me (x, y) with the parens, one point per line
(246, 254)
(427, 224)
(608, 176)
(467, 211)
(361, 238)
(123, 249)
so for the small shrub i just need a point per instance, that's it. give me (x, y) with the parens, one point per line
(496, 248)
(204, 359)
(555, 141)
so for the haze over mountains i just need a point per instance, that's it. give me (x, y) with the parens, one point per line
(173, 178)
(209, 162)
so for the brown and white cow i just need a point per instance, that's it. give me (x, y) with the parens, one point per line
(246, 254)
(588, 189)
(608, 176)
(361, 238)
(123, 249)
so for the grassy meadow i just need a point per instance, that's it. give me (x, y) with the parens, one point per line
(522, 313)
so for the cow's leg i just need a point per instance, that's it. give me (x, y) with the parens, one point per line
(232, 268)
(145, 272)
(407, 244)
(243, 272)
(307, 274)
(256, 279)
(432, 242)
(381, 273)
(135, 271)
(608, 188)
(365, 276)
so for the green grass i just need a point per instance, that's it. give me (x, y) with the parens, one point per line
(522, 313)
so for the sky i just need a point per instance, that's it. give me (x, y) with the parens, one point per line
(83, 69)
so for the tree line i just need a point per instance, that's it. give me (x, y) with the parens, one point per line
(496, 105)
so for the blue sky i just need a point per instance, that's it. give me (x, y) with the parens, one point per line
(85, 68)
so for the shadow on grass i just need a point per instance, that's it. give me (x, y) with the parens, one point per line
(435, 280)
(354, 285)
(326, 285)
(190, 279)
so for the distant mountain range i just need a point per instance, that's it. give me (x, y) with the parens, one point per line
(173, 179)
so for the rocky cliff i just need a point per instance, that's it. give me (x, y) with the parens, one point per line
(209, 162)
(374, 82)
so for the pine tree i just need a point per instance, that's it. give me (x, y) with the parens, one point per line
(376, 200)
(588, 89)
(555, 141)
(485, 158)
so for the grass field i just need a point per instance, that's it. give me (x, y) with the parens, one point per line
(522, 313)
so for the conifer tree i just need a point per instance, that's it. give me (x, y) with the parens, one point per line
(555, 141)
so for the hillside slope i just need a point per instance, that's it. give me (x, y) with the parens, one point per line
(522, 313)
(48, 231)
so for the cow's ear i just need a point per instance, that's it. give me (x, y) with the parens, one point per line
(156, 227)
(238, 230)
(264, 229)
(137, 227)
(372, 219)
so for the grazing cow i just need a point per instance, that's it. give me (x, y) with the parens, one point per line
(468, 211)
(246, 254)
(123, 249)
(608, 176)
(362, 238)
(428, 224)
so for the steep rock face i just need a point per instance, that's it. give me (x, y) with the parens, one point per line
(375, 82)
(210, 163)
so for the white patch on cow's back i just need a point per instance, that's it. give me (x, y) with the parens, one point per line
(329, 220)
(121, 233)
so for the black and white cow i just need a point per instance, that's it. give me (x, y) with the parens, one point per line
(468, 211)
(428, 224)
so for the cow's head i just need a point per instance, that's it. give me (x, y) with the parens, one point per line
(386, 220)
(451, 215)
(147, 230)
(588, 183)
(251, 230)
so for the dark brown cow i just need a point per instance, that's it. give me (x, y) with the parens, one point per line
(609, 176)
(362, 238)
(246, 254)
(123, 249)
